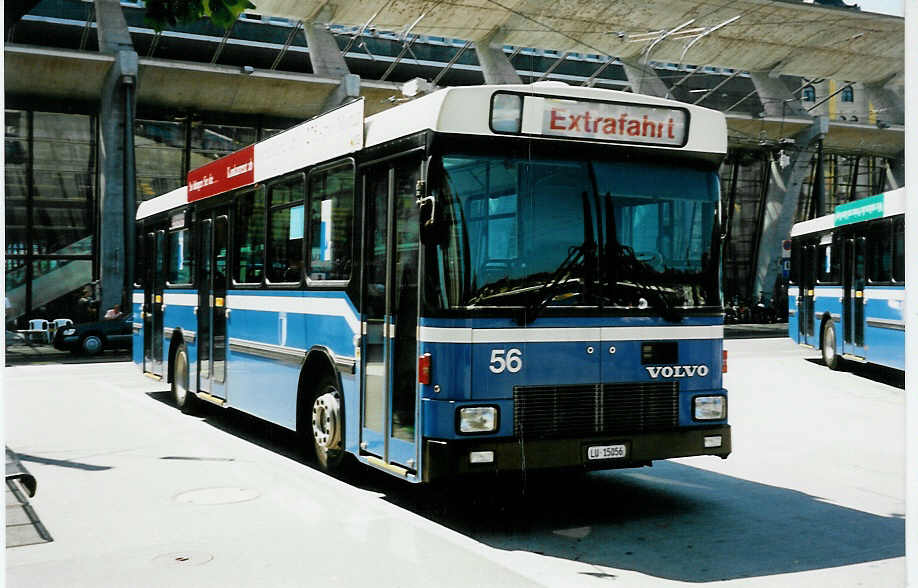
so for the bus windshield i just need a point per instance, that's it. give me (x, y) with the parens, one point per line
(541, 232)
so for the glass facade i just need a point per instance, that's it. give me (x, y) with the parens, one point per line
(51, 174)
(52, 215)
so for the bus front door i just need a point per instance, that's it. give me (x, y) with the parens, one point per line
(390, 302)
(855, 278)
(154, 281)
(212, 312)
(805, 299)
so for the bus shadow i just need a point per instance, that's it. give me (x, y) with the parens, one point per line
(870, 371)
(672, 521)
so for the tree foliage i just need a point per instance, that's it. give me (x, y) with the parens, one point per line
(223, 13)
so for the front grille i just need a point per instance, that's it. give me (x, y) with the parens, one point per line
(546, 412)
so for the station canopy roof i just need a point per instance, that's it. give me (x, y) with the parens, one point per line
(780, 37)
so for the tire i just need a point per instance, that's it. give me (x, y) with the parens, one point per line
(830, 355)
(184, 399)
(91, 345)
(326, 424)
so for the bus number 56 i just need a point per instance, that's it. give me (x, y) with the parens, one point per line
(506, 359)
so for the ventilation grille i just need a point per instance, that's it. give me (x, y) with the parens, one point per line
(545, 412)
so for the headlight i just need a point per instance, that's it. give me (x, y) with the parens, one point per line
(477, 419)
(709, 408)
(69, 331)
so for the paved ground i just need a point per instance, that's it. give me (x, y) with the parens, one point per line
(136, 494)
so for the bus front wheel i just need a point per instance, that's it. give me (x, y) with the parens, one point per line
(328, 424)
(829, 352)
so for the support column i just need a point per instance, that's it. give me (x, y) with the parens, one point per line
(890, 106)
(328, 61)
(775, 96)
(116, 159)
(781, 205)
(644, 79)
(495, 65)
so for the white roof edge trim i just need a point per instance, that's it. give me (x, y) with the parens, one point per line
(168, 201)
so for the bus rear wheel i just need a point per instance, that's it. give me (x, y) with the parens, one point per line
(829, 352)
(184, 399)
(328, 425)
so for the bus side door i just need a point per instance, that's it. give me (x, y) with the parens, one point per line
(805, 299)
(855, 278)
(389, 294)
(153, 302)
(212, 314)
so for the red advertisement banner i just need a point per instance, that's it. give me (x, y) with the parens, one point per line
(227, 173)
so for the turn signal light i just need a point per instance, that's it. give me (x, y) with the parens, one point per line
(723, 366)
(424, 369)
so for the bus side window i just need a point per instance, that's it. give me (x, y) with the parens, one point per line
(899, 250)
(331, 220)
(285, 231)
(139, 258)
(250, 237)
(879, 252)
(795, 262)
(181, 258)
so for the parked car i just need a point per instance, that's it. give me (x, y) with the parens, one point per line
(93, 338)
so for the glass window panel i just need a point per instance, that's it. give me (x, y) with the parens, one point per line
(210, 142)
(331, 219)
(250, 237)
(181, 257)
(159, 155)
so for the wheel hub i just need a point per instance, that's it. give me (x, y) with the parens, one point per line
(326, 414)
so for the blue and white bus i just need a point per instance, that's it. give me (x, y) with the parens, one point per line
(482, 279)
(847, 289)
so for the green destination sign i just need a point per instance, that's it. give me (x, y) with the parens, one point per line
(859, 210)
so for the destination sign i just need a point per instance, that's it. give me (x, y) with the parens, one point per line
(622, 123)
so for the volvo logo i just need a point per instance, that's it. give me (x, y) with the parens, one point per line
(676, 371)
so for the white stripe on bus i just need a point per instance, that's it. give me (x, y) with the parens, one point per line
(297, 304)
(180, 299)
(558, 335)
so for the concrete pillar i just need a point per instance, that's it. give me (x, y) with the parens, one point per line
(890, 106)
(328, 61)
(116, 161)
(775, 96)
(495, 65)
(781, 205)
(644, 79)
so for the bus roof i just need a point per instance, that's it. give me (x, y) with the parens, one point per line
(879, 206)
(544, 110)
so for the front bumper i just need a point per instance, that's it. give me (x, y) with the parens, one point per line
(66, 343)
(447, 458)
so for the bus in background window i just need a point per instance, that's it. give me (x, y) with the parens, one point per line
(847, 289)
(483, 279)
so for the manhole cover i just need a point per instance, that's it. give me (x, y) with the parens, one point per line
(217, 495)
(183, 558)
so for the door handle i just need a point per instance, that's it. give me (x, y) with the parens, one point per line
(228, 311)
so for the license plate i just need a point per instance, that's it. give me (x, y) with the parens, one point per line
(606, 452)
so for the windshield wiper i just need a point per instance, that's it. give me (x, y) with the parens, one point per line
(576, 255)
